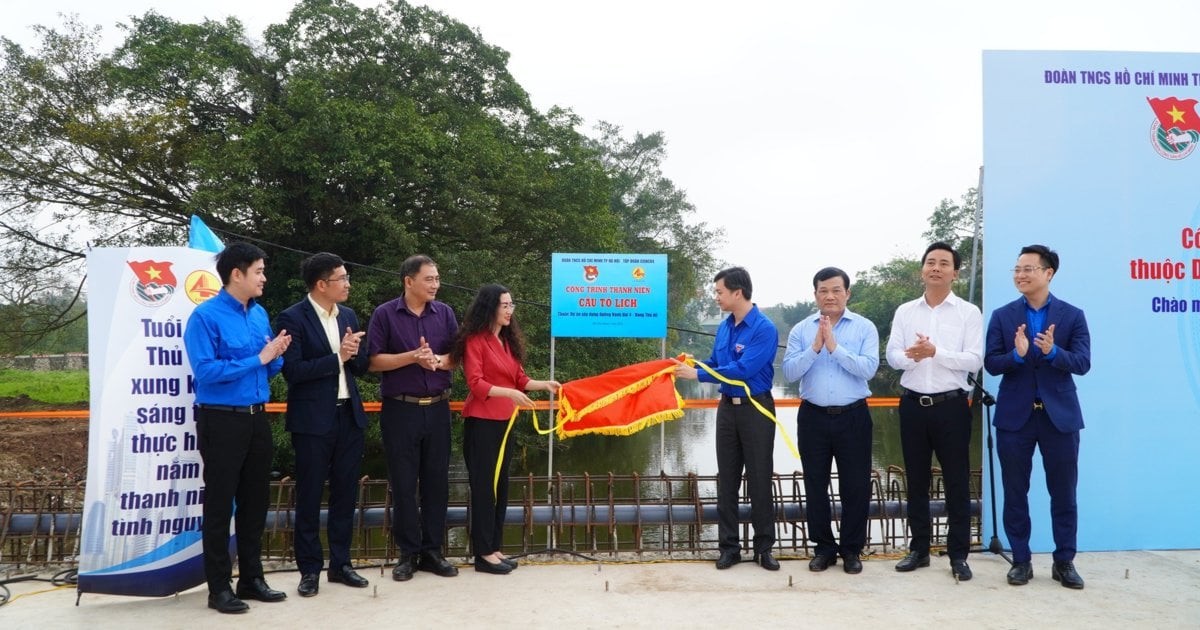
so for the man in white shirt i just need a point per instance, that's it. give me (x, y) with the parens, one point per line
(937, 340)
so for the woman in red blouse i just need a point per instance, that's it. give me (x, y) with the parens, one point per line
(490, 349)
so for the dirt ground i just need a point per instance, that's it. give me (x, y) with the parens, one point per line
(42, 449)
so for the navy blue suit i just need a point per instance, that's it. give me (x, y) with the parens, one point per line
(327, 436)
(1037, 406)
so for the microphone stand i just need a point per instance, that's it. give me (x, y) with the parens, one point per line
(982, 395)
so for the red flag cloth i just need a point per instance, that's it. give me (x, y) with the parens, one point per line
(1174, 112)
(153, 272)
(621, 401)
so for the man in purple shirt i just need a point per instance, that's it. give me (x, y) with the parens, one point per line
(409, 341)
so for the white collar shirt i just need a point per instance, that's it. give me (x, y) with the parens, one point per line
(329, 322)
(954, 327)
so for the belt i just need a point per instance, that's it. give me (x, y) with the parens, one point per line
(419, 400)
(837, 411)
(342, 402)
(742, 400)
(1037, 404)
(929, 400)
(252, 409)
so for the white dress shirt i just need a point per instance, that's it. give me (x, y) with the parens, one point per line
(954, 327)
(330, 323)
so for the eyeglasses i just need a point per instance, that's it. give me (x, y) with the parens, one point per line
(345, 278)
(508, 306)
(1026, 270)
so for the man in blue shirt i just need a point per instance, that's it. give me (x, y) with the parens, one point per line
(1035, 344)
(233, 355)
(744, 350)
(833, 354)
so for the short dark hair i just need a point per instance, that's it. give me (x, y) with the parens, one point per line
(946, 247)
(1049, 256)
(412, 265)
(736, 278)
(318, 267)
(237, 256)
(831, 272)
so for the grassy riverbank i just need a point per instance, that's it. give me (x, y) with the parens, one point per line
(54, 387)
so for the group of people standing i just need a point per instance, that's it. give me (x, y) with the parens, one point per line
(1035, 343)
(415, 343)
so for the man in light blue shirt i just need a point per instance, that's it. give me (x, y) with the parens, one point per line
(833, 354)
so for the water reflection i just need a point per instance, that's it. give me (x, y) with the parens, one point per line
(689, 445)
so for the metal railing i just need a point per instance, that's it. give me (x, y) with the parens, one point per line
(613, 515)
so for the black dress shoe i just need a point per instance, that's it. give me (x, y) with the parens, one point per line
(913, 560)
(483, 566)
(728, 559)
(434, 563)
(1020, 573)
(852, 564)
(403, 570)
(345, 575)
(225, 602)
(1065, 574)
(256, 588)
(766, 561)
(960, 570)
(820, 562)
(310, 583)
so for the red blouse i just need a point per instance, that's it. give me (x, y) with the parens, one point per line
(487, 362)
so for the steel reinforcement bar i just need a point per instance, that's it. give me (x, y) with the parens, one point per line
(661, 515)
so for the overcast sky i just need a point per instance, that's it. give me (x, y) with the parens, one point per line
(814, 134)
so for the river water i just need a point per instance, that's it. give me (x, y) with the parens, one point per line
(688, 445)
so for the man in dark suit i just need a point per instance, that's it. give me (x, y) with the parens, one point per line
(325, 417)
(1036, 343)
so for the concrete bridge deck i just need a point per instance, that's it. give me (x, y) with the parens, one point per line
(1131, 589)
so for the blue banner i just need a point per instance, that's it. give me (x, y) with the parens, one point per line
(1091, 154)
(608, 295)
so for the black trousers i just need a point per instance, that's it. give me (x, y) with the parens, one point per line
(745, 441)
(943, 429)
(845, 438)
(237, 451)
(417, 441)
(481, 447)
(336, 457)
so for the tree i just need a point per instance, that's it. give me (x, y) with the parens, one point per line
(374, 133)
(955, 224)
(653, 216)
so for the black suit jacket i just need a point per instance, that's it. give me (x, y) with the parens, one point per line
(310, 367)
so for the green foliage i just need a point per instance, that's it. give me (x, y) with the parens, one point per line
(375, 133)
(53, 387)
(955, 224)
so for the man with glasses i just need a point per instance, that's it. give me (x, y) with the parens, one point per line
(325, 417)
(409, 341)
(1035, 344)
(936, 341)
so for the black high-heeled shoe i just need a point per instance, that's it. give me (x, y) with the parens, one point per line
(483, 566)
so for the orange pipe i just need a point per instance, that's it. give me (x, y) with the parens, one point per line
(540, 405)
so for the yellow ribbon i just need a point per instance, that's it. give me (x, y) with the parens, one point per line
(786, 438)
(504, 443)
